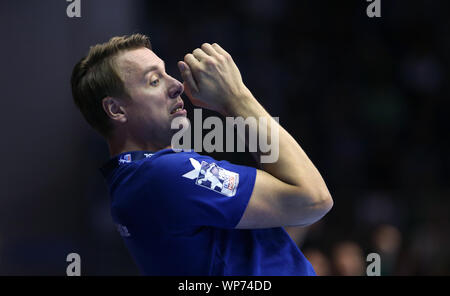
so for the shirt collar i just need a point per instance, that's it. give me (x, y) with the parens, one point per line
(123, 158)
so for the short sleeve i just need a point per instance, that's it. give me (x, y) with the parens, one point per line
(189, 189)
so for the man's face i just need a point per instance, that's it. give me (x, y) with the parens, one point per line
(155, 96)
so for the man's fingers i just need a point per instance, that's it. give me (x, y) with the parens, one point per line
(220, 50)
(187, 76)
(200, 54)
(193, 65)
(191, 61)
(208, 49)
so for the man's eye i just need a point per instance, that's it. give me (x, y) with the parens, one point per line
(154, 82)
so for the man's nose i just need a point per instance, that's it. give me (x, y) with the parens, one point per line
(175, 89)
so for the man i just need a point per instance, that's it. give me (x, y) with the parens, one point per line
(171, 223)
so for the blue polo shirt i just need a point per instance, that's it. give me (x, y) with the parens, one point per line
(177, 211)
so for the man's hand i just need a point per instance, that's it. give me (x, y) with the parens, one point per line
(211, 78)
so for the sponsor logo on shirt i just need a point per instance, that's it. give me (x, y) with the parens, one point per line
(125, 158)
(213, 177)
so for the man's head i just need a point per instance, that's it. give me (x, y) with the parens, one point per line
(121, 85)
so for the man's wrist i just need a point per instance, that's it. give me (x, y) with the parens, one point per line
(239, 105)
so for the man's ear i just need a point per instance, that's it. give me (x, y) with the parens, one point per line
(114, 109)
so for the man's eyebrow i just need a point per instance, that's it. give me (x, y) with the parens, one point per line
(153, 68)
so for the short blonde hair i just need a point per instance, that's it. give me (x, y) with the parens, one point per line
(95, 77)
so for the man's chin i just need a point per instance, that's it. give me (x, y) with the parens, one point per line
(179, 123)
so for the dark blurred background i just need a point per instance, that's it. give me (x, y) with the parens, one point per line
(367, 99)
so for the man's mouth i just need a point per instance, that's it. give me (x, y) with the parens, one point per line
(178, 108)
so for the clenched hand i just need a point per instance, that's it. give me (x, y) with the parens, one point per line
(211, 78)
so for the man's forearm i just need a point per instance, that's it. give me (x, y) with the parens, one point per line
(293, 165)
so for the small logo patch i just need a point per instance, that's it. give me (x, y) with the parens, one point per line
(125, 158)
(213, 177)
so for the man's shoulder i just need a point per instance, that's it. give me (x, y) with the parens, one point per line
(169, 161)
(170, 156)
